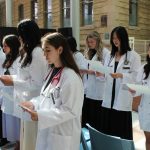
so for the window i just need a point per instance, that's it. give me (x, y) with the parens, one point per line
(104, 21)
(48, 14)
(66, 13)
(34, 9)
(87, 12)
(133, 12)
(21, 12)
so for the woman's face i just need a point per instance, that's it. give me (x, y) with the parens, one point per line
(91, 43)
(6, 48)
(52, 54)
(116, 41)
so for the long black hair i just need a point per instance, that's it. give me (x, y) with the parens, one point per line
(30, 34)
(58, 40)
(147, 66)
(13, 43)
(72, 44)
(122, 35)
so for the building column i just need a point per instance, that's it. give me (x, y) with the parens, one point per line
(8, 13)
(75, 20)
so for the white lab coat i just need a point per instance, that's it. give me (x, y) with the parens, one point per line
(27, 84)
(7, 92)
(2, 58)
(80, 60)
(94, 86)
(123, 98)
(28, 81)
(144, 107)
(59, 124)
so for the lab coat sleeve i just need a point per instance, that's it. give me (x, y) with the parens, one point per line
(130, 77)
(80, 60)
(139, 79)
(36, 101)
(37, 70)
(70, 108)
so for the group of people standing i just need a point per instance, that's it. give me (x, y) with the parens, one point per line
(47, 85)
(46, 90)
(107, 102)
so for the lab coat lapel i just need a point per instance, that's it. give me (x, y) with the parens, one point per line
(122, 59)
(94, 57)
(111, 64)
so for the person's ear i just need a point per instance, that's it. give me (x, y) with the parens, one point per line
(60, 50)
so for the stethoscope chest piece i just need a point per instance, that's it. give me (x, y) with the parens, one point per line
(126, 62)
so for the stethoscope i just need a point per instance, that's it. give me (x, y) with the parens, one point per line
(51, 93)
(126, 61)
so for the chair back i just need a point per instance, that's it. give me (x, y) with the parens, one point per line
(85, 139)
(101, 141)
(127, 144)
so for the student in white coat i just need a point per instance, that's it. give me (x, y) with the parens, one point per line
(77, 55)
(59, 106)
(94, 85)
(123, 64)
(3, 141)
(11, 124)
(143, 78)
(29, 79)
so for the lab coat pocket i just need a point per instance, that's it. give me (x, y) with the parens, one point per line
(60, 141)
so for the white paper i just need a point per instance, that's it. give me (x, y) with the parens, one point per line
(140, 88)
(97, 66)
(125, 87)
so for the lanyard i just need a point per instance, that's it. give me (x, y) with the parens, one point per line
(56, 78)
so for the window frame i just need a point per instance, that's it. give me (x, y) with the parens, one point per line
(20, 12)
(48, 24)
(133, 12)
(34, 9)
(67, 8)
(89, 16)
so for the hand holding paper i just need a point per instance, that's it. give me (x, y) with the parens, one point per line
(98, 66)
(28, 107)
(139, 88)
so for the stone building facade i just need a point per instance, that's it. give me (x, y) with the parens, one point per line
(104, 15)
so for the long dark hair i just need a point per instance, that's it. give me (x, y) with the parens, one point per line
(13, 43)
(72, 44)
(122, 35)
(30, 34)
(147, 67)
(57, 40)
